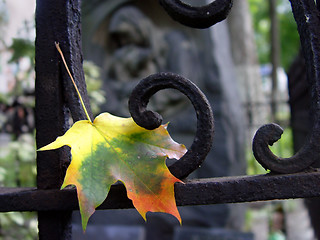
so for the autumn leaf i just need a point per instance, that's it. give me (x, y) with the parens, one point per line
(113, 148)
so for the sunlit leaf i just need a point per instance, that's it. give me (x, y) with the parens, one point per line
(115, 149)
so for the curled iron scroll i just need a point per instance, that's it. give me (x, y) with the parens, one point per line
(306, 15)
(197, 17)
(150, 120)
(269, 134)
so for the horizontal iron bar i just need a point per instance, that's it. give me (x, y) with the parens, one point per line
(192, 192)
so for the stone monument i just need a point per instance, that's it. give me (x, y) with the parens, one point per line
(130, 40)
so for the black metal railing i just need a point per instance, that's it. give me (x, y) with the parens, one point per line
(59, 21)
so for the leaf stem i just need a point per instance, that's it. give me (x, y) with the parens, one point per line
(74, 83)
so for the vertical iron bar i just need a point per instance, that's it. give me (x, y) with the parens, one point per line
(56, 21)
(50, 121)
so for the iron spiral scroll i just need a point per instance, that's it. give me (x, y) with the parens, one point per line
(306, 15)
(201, 145)
(197, 17)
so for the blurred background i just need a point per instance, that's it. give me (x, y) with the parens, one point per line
(244, 65)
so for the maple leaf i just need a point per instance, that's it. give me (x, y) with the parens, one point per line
(112, 149)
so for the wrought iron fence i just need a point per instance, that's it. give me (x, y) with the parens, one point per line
(59, 21)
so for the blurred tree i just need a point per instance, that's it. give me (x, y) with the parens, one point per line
(244, 54)
(288, 35)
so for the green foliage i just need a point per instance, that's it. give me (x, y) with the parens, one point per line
(17, 153)
(17, 162)
(17, 225)
(289, 39)
(17, 169)
(284, 147)
(253, 167)
(22, 48)
(288, 35)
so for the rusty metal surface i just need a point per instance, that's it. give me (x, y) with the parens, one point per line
(148, 119)
(193, 192)
(56, 20)
(306, 15)
(50, 119)
(269, 134)
(59, 20)
(197, 17)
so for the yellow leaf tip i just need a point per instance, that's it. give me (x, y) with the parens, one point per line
(42, 149)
